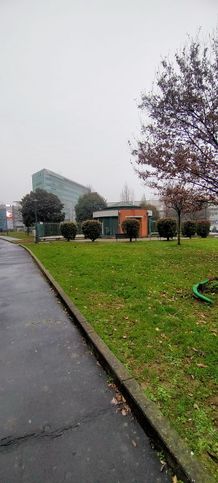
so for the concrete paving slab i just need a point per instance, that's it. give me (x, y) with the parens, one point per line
(57, 422)
(84, 453)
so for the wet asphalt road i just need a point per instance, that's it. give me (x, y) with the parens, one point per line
(57, 422)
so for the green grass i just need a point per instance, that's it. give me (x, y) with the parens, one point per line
(138, 297)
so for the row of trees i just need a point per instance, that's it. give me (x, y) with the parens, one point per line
(48, 208)
(168, 228)
(90, 228)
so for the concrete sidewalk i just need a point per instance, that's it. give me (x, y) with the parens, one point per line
(10, 238)
(57, 422)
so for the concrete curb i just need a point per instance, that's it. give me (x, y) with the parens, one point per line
(157, 426)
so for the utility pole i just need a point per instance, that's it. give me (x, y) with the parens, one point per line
(36, 231)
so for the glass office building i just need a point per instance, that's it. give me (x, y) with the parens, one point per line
(67, 191)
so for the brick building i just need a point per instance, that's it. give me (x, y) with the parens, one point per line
(112, 218)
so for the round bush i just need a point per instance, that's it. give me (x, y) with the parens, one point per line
(68, 230)
(91, 229)
(131, 228)
(166, 228)
(203, 228)
(189, 228)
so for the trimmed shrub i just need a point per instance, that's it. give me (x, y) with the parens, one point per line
(189, 228)
(203, 228)
(131, 228)
(68, 230)
(167, 228)
(91, 229)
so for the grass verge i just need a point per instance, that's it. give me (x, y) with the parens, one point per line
(19, 235)
(138, 297)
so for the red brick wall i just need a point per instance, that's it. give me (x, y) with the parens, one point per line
(139, 213)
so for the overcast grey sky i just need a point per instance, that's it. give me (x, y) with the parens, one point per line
(71, 72)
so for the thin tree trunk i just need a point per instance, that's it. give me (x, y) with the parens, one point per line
(179, 228)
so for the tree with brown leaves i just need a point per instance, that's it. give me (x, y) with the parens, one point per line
(182, 201)
(180, 140)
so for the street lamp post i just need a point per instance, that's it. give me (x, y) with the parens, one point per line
(36, 231)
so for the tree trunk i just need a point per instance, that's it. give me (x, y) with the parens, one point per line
(179, 228)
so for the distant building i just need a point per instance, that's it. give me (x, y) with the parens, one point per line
(159, 205)
(213, 217)
(17, 216)
(112, 218)
(3, 218)
(11, 217)
(67, 191)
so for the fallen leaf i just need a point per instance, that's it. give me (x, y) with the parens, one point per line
(114, 401)
(112, 385)
(119, 397)
(214, 331)
(174, 479)
(213, 456)
(201, 365)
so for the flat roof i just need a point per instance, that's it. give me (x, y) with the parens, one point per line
(60, 176)
(122, 207)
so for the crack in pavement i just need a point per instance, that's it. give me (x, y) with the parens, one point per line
(10, 442)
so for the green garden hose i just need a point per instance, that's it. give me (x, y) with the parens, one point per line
(198, 294)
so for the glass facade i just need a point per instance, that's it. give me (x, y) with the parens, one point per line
(109, 221)
(109, 226)
(67, 191)
(3, 219)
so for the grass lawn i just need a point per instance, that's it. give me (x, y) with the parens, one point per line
(138, 297)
